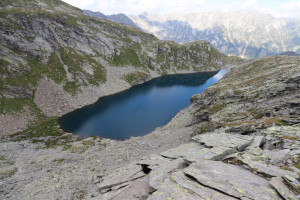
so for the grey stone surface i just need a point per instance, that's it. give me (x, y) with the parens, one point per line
(196, 187)
(133, 190)
(283, 190)
(185, 150)
(124, 175)
(231, 180)
(232, 141)
(292, 183)
(257, 141)
(268, 170)
(171, 190)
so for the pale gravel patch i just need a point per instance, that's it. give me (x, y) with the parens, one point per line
(13, 123)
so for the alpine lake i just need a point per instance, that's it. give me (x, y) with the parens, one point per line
(140, 109)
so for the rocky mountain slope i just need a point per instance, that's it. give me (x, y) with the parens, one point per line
(248, 34)
(239, 139)
(119, 18)
(55, 59)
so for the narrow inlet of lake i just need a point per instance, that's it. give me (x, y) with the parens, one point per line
(140, 109)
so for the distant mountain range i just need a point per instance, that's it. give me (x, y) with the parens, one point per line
(119, 18)
(289, 53)
(248, 34)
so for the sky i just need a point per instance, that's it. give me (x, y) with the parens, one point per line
(277, 8)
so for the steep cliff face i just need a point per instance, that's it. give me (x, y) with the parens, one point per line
(55, 59)
(248, 34)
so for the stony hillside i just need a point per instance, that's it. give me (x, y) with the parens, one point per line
(55, 59)
(239, 139)
(254, 96)
(248, 34)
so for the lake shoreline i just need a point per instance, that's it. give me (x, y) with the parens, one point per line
(128, 101)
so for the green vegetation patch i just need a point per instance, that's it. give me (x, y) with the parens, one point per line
(217, 107)
(55, 69)
(47, 127)
(128, 56)
(75, 63)
(9, 106)
(297, 165)
(45, 131)
(136, 77)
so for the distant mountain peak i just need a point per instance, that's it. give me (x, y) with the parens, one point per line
(289, 53)
(119, 18)
(244, 33)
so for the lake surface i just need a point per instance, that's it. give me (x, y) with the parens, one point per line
(140, 109)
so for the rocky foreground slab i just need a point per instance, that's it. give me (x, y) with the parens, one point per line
(217, 166)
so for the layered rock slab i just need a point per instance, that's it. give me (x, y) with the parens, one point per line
(283, 190)
(232, 180)
(206, 146)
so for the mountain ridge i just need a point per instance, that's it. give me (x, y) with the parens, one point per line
(119, 18)
(248, 34)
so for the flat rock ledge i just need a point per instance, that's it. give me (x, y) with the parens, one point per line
(215, 165)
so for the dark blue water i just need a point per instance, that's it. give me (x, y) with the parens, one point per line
(140, 109)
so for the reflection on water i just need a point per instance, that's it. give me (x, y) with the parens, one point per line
(140, 109)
